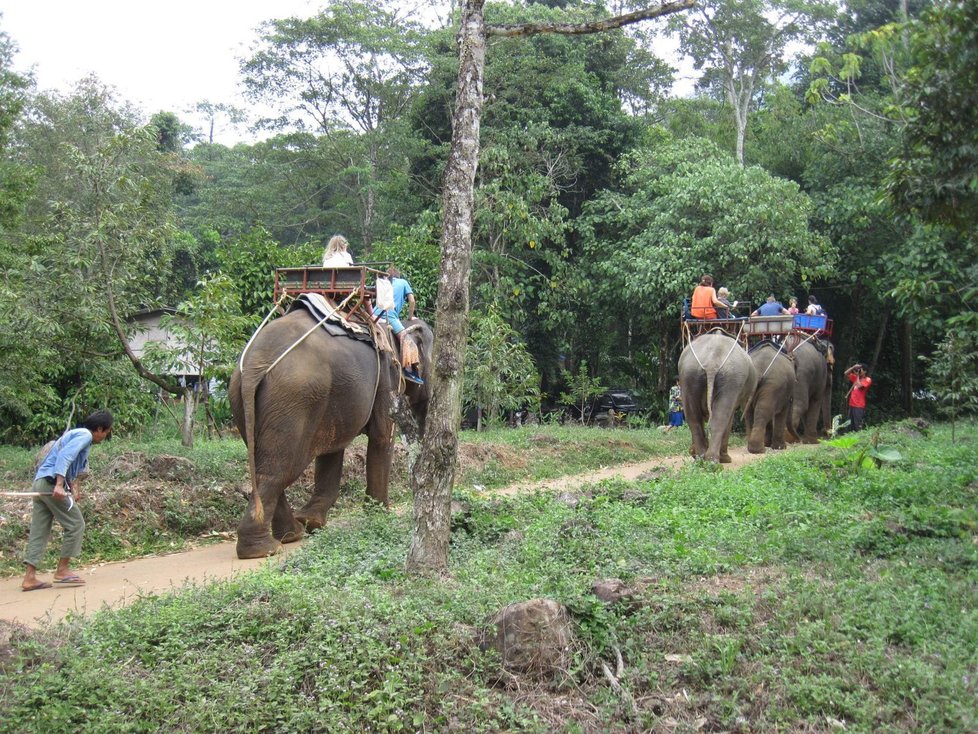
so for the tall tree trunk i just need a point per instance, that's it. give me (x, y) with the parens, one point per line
(666, 367)
(434, 471)
(906, 376)
(740, 99)
(189, 411)
(880, 335)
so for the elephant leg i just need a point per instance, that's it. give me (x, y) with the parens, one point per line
(724, 455)
(721, 423)
(380, 454)
(285, 528)
(329, 471)
(255, 538)
(755, 430)
(811, 422)
(695, 418)
(778, 429)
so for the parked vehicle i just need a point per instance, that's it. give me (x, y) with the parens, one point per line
(611, 407)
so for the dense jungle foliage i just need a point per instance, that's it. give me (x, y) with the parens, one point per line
(828, 152)
(816, 590)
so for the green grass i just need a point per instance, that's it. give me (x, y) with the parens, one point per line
(797, 594)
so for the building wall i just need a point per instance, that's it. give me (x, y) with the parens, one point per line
(146, 328)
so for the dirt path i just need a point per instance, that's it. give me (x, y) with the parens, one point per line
(117, 584)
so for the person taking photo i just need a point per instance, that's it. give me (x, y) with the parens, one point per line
(861, 382)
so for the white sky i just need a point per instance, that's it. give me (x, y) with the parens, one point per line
(159, 56)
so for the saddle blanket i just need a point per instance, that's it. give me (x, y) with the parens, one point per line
(335, 323)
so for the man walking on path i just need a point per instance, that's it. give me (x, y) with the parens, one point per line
(57, 478)
(861, 382)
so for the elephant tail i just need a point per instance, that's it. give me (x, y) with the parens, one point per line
(711, 377)
(250, 380)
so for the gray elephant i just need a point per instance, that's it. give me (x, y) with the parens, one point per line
(813, 389)
(766, 415)
(293, 404)
(716, 378)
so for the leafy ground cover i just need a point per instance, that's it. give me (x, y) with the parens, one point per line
(808, 592)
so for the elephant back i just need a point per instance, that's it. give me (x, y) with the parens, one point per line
(716, 360)
(770, 357)
(810, 363)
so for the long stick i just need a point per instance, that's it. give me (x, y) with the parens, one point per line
(71, 501)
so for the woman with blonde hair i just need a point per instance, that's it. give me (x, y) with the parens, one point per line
(336, 254)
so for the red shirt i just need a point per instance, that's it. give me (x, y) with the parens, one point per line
(857, 396)
(701, 306)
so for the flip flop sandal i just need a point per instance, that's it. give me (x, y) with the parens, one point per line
(42, 585)
(70, 581)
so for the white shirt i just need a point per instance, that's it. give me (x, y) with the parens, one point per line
(338, 260)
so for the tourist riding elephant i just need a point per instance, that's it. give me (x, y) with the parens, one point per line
(766, 415)
(716, 378)
(813, 389)
(299, 395)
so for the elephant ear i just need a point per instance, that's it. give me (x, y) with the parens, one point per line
(392, 367)
(424, 340)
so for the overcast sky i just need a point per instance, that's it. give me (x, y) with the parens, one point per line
(160, 56)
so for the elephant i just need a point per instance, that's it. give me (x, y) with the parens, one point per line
(716, 377)
(766, 415)
(323, 391)
(813, 389)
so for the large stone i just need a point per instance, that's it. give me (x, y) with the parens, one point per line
(532, 637)
(616, 591)
(173, 468)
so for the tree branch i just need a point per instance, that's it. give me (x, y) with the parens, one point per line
(596, 26)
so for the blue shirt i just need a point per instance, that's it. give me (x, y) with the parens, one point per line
(770, 309)
(68, 457)
(402, 289)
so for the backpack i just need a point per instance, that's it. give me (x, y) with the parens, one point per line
(385, 294)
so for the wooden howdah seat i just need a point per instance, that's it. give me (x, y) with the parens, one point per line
(752, 329)
(354, 286)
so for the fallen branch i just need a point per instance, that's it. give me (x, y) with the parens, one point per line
(618, 688)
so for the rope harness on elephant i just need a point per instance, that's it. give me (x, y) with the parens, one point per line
(261, 326)
(801, 342)
(302, 338)
(736, 344)
(773, 360)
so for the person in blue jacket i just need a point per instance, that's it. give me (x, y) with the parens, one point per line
(57, 486)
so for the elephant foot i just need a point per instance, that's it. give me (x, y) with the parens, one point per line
(725, 459)
(809, 440)
(779, 447)
(293, 535)
(755, 449)
(311, 522)
(260, 548)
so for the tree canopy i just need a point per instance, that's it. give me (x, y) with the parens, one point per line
(822, 152)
